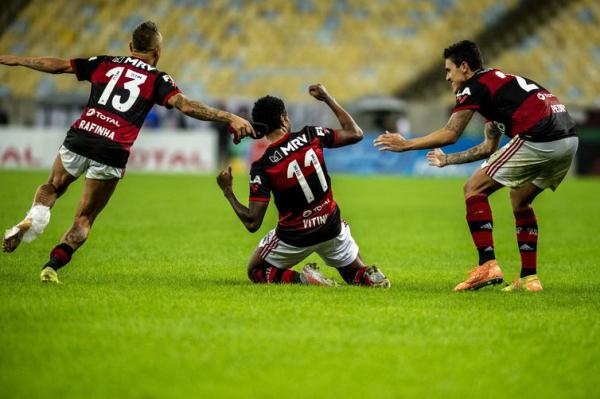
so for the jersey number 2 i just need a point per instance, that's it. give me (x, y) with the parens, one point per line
(522, 82)
(294, 170)
(132, 86)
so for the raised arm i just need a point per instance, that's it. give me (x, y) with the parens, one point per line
(449, 134)
(350, 132)
(252, 216)
(203, 112)
(481, 151)
(43, 64)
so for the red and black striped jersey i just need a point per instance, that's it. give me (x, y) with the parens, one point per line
(294, 170)
(516, 105)
(124, 89)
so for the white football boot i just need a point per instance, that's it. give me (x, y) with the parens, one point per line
(375, 278)
(311, 275)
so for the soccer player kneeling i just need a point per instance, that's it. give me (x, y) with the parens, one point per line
(293, 168)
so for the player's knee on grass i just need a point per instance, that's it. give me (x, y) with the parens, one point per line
(256, 275)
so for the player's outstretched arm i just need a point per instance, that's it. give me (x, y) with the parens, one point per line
(203, 112)
(449, 134)
(481, 151)
(350, 133)
(43, 64)
(252, 217)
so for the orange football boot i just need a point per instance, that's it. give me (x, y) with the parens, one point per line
(487, 274)
(527, 283)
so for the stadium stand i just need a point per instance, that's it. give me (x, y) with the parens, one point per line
(242, 49)
(563, 55)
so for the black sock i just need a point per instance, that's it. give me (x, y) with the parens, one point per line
(59, 256)
(352, 275)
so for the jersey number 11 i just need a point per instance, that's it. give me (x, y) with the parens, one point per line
(295, 170)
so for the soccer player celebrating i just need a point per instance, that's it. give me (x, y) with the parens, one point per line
(538, 156)
(293, 168)
(124, 89)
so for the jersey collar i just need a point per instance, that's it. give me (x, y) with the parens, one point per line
(281, 140)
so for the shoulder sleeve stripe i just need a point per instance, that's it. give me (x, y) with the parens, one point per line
(171, 94)
(260, 199)
(74, 67)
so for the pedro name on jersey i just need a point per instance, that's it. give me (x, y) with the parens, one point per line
(293, 169)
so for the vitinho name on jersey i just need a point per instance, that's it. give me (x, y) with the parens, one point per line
(315, 221)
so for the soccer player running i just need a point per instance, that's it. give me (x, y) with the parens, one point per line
(293, 168)
(124, 89)
(538, 156)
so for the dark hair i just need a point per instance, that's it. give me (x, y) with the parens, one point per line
(268, 110)
(145, 37)
(465, 51)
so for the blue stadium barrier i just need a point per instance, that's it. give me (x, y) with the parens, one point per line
(364, 158)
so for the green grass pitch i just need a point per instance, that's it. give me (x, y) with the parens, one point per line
(157, 304)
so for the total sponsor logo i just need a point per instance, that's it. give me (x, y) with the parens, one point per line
(20, 157)
(316, 209)
(94, 112)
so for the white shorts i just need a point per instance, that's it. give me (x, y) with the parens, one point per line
(520, 162)
(340, 251)
(76, 164)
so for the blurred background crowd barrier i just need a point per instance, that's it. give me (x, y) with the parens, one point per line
(381, 58)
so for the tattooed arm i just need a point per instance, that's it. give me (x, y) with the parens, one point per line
(490, 144)
(203, 112)
(441, 137)
(43, 64)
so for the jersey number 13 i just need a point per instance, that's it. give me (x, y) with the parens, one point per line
(132, 86)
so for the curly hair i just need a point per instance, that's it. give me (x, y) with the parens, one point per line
(268, 110)
(145, 37)
(465, 51)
